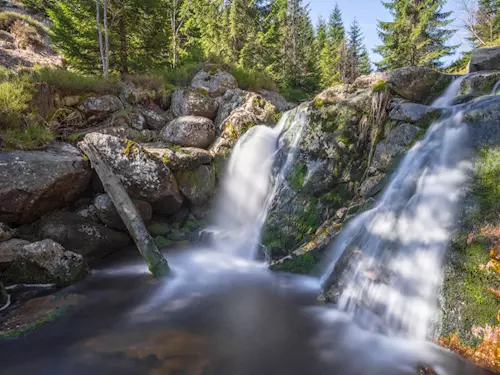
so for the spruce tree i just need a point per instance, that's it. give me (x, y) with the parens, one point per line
(336, 31)
(365, 66)
(417, 35)
(330, 55)
(487, 26)
(355, 49)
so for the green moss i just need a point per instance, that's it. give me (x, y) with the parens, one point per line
(247, 127)
(303, 264)
(75, 137)
(333, 117)
(297, 176)
(320, 103)
(259, 101)
(231, 131)
(442, 84)
(202, 91)
(158, 228)
(380, 86)
(277, 116)
(212, 69)
(487, 188)
(162, 242)
(429, 118)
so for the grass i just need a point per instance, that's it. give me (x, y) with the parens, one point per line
(252, 80)
(179, 76)
(34, 135)
(26, 35)
(15, 95)
(7, 20)
(488, 181)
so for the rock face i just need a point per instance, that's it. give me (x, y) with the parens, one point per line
(98, 106)
(417, 84)
(231, 100)
(190, 158)
(189, 131)
(478, 85)
(108, 214)
(394, 145)
(276, 99)
(414, 113)
(79, 235)
(214, 79)
(197, 185)
(144, 175)
(33, 183)
(193, 102)
(484, 59)
(46, 262)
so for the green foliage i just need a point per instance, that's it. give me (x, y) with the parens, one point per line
(34, 134)
(297, 176)
(37, 5)
(26, 35)
(7, 20)
(73, 83)
(303, 264)
(180, 75)
(380, 86)
(252, 80)
(488, 182)
(15, 95)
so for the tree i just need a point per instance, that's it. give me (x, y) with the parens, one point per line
(417, 35)
(487, 20)
(365, 66)
(103, 42)
(355, 49)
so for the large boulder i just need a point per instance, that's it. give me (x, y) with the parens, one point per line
(231, 100)
(189, 131)
(276, 99)
(46, 262)
(417, 84)
(193, 102)
(131, 118)
(191, 158)
(76, 234)
(414, 113)
(5, 232)
(33, 183)
(9, 250)
(477, 85)
(394, 145)
(100, 106)
(155, 117)
(144, 175)
(484, 59)
(214, 79)
(197, 185)
(107, 213)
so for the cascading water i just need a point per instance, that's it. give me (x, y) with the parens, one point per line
(247, 190)
(395, 250)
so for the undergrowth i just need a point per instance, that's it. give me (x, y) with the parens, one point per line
(7, 20)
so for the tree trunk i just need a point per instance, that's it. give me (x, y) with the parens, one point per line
(106, 37)
(99, 35)
(155, 261)
(123, 44)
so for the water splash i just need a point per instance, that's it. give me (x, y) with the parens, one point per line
(395, 251)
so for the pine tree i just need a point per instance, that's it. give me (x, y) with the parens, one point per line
(355, 49)
(336, 31)
(418, 34)
(321, 36)
(365, 66)
(330, 55)
(487, 18)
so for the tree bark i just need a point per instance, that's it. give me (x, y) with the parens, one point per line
(155, 261)
(99, 35)
(123, 43)
(106, 36)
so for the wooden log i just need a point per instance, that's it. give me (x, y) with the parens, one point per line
(155, 261)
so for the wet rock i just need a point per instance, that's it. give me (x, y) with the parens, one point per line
(276, 99)
(99, 106)
(144, 175)
(78, 234)
(33, 183)
(8, 251)
(5, 232)
(107, 213)
(214, 79)
(4, 298)
(197, 185)
(417, 84)
(394, 145)
(483, 117)
(191, 158)
(478, 85)
(155, 117)
(231, 100)
(190, 102)
(371, 186)
(484, 59)
(414, 113)
(46, 262)
(189, 131)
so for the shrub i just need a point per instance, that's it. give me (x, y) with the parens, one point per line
(70, 82)
(253, 80)
(34, 134)
(294, 95)
(26, 35)
(15, 95)
(7, 20)
(179, 76)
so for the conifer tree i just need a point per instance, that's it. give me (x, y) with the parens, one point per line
(417, 35)
(355, 49)
(330, 55)
(365, 66)
(487, 21)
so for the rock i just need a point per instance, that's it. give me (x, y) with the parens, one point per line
(70, 100)
(5, 232)
(6, 37)
(197, 185)
(484, 59)
(484, 117)
(127, 132)
(214, 79)
(162, 151)
(144, 175)
(368, 81)
(478, 85)
(189, 131)
(131, 94)
(417, 84)
(108, 214)
(192, 102)
(276, 99)
(100, 106)
(78, 234)
(89, 213)
(231, 100)
(33, 183)
(191, 158)
(46, 262)
(414, 113)
(131, 118)
(4, 297)
(371, 186)
(8, 251)
(155, 117)
(394, 145)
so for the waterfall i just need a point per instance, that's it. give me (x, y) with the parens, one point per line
(248, 188)
(395, 251)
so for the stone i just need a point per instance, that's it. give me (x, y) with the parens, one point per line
(6, 232)
(214, 79)
(89, 213)
(417, 84)
(414, 113)
(483, 117)
(79, 235)
(100, 106)
(8, 251)
(70, 100)
(127, 132)
(231, 100)
(480, 84)
(192, 102)
(189, 131)
(166, 154)
(191, 158)
(108, 214)
(394, 145)
(276, 99)
(131, 94)
(371, 186)
(33, 183)
(370, 80)
(484, 59)
(144, 175)
(197, 185)
(46, 262)
(131, 118)
(155, 117)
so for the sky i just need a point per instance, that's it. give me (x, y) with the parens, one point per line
(367, 12)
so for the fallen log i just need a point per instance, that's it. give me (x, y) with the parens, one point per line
(155, 261)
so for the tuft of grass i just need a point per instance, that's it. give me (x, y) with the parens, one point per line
(488, 181)
(36, 134)
(15, 95)
(179, 76)
(26, 35)
(380, 86)
(253, 80)
(7, 20)
(70, 82)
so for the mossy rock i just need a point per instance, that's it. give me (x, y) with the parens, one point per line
(302, 264)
